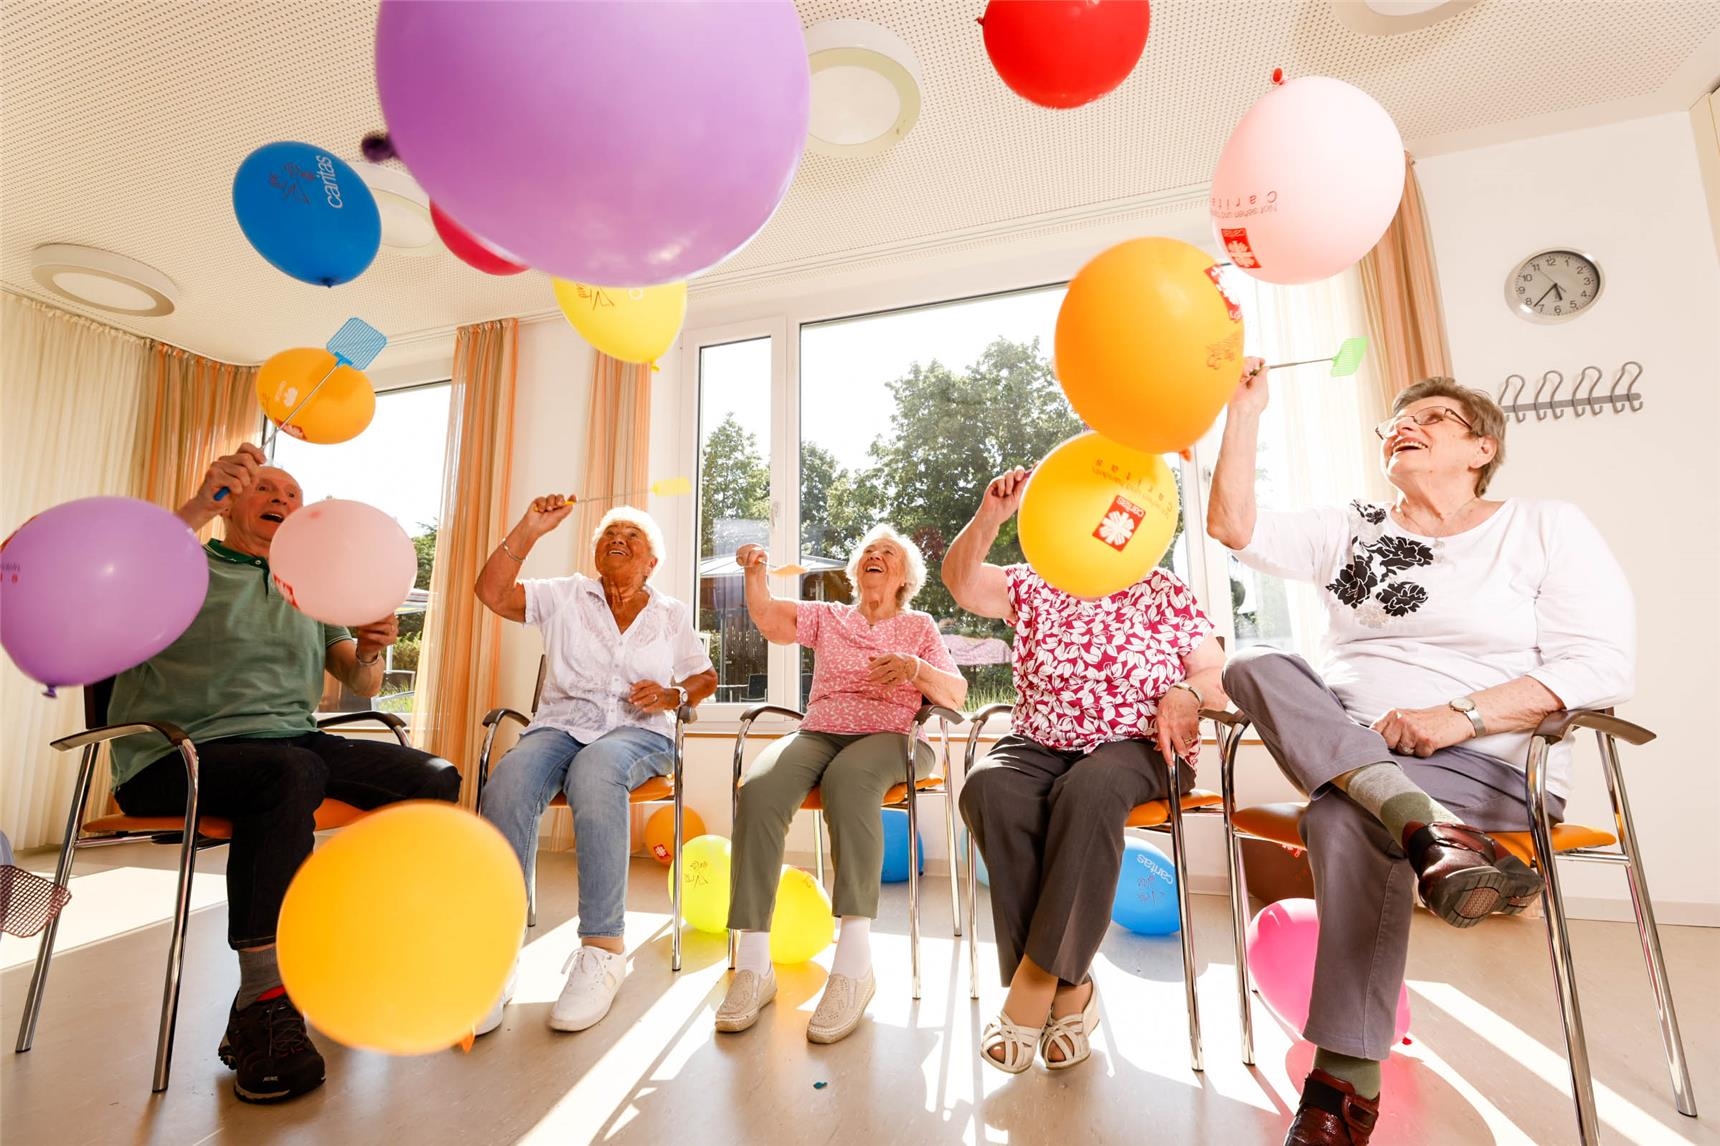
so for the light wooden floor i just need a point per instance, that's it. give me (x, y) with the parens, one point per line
(1486, 1062)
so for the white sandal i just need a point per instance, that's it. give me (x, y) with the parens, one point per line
(1016, 1041)
(1069, 1034)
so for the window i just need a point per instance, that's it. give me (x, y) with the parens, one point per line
(396, 465)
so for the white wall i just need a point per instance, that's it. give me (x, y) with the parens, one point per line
(1630, 195)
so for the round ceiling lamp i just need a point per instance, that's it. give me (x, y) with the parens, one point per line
(1391, 17)
(405, 208)
(865, 88)
(102, 280)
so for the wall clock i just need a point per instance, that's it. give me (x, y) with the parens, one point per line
(1553, 286)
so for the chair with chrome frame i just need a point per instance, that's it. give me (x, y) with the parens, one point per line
(1154, 815)
(193, 833)
(656, 790)
(1542, 845)
(903, 795)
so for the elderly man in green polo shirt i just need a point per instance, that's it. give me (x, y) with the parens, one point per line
(244, 681)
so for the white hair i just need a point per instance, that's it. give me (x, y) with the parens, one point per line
(637, 517)
(912, 558)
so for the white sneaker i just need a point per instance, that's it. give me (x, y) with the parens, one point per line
(493, 1017)
(594, 976)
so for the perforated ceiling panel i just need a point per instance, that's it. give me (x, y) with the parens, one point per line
(123, 123)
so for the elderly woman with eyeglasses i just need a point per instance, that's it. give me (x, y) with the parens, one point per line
(1456, 623)
(874, 662)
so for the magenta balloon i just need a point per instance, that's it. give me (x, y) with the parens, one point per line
(628, 144)
(1282, 942)
(93, 587)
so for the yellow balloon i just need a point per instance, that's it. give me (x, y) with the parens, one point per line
(634, 324)
(1148, 347)
(802, 925)
(341, 409)
(399, 933)
(705, 893)
(1096, 516)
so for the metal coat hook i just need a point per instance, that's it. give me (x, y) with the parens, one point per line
(1578, 401)
(1507, 398)
(1553, 398)
(1632, 370)
(1540, 410)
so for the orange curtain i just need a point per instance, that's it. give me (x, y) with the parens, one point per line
(618, 441)
(193, 410)
(461, 659)
(1400, 288)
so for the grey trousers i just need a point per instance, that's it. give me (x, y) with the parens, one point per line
(1050, 826)
(1364, 886)
(852, 773)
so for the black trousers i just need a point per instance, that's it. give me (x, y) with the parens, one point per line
(270, 789)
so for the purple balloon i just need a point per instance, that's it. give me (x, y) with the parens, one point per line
(616, 143)
(92, 587)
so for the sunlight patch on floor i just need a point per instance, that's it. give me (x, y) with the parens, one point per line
(110, 903)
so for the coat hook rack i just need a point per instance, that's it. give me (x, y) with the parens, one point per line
(1585, 399)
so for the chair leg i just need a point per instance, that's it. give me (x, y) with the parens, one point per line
(62, 877)
(818, 847)
(1185, 933)
(675, 892)
(1559, 950)
(181, 918)
(950, 842)
(913, 877)
(972, 920)
(1683, 1093)
(531, 897)
(1229, 738)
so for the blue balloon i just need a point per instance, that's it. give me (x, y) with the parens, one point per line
(896, 847)
(307, 212)
(1146, 900)
(979, 869)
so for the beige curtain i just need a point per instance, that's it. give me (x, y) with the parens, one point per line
(197, 410)
(69, 409)
(460, 670)
(618, 441)
(1400, 285)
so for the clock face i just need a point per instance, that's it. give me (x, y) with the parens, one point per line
(1553, 286)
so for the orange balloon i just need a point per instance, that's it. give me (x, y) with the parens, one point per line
(341, 409)
(1148, 347)
(660, 832)
(1096, 516)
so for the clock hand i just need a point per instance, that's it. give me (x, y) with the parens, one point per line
(1545, 293)
(1560, 295)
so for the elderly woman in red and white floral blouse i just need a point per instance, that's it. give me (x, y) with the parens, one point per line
(1110, 690)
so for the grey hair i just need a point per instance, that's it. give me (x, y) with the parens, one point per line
(1486, 419)
(637, 517)
(913, 559)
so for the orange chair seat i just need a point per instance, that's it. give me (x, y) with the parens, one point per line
(814, 801)
(1155, 812)
(1280, 822)
(331, 814)
(652, 790)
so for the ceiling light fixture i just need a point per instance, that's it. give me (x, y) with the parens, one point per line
(865, 88)
(405, 209)
(1391, 17)
(102, 280)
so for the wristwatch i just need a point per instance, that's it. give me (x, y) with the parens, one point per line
(1199, 700)
(1467, 707)
(682, 693)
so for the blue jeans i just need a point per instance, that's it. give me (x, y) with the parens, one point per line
(596, 778)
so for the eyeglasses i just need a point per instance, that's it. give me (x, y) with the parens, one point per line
(1432, 416)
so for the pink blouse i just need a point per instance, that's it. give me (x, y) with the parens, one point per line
(1091, 672)
(843, 642)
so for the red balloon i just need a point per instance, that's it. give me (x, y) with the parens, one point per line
(470, 249)
(1064, 53)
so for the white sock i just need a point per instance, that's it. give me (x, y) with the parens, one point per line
(853, 948)
(752, 952)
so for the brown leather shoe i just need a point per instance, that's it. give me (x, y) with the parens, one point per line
(1316, 1126)
(1465, 876)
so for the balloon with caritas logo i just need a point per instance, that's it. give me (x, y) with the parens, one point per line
(307, 212)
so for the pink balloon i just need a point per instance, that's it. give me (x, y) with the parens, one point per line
(1308, 182)
(628, 144)
(1282, 941)
(93, 587)
(343, 562)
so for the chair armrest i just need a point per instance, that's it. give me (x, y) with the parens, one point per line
(1225, 716)
(172, 733)
(687, 714)
(929, 710)
(759, 710)
(1557, 725)
(394, 723)
(496, 714)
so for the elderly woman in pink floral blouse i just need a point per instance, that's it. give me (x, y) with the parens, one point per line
(1110, 690)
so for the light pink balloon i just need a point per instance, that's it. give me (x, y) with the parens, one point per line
(1308, 182)
(1282, 941)
(343, 562)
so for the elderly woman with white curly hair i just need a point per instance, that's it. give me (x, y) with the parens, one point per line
(621, 658)
(875, 660)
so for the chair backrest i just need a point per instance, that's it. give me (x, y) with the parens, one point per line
(537, 689)
(97, 699)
